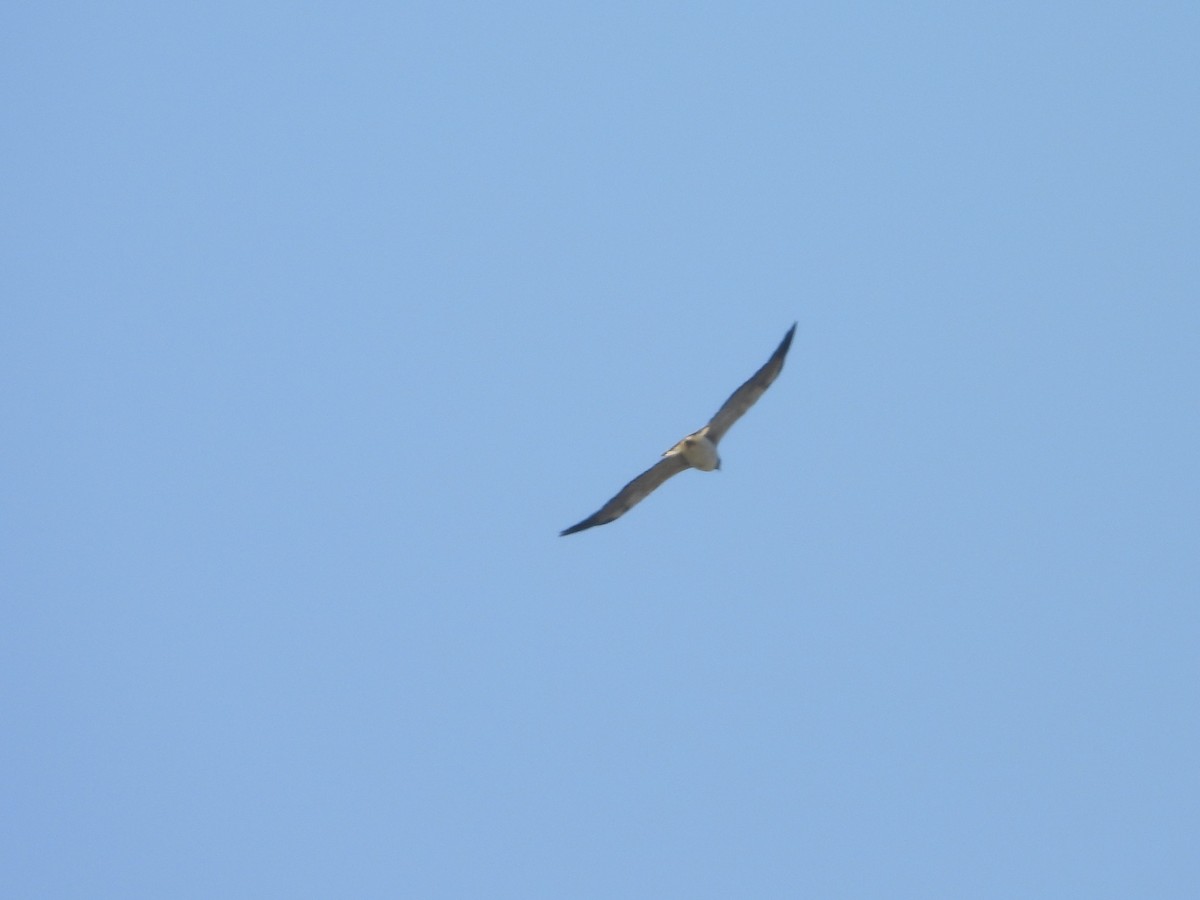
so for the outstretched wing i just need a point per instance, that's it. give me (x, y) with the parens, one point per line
(747, 395)
(633, 493)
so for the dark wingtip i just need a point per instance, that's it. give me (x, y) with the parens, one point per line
(589, 522)
(787, 340)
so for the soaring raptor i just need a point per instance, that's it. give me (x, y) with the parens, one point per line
(698, 450)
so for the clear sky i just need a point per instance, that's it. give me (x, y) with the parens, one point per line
(320, 321)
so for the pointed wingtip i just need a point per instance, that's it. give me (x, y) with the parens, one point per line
(589, 522)
(787, 340)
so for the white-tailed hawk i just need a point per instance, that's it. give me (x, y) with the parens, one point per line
(696, 451)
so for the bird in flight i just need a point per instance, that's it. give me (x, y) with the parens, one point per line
(698, 450)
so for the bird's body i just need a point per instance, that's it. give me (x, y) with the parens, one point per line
(696, 451)
(699, 451)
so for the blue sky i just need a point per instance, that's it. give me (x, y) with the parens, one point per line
(323, 320)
